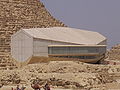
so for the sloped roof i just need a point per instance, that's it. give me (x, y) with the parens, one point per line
(65, 34)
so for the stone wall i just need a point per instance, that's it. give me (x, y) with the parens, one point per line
(17, 14)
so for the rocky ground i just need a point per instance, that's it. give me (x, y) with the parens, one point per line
(65, 74)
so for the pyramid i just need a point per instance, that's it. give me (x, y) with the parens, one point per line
(17, 14)
(114, 53)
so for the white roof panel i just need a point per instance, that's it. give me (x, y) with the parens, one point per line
(65, 34)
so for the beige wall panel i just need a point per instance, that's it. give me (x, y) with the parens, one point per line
(39, 42)
(40, 47)
(21, 46)
(42, 54)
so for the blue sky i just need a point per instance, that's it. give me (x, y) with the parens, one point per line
(102, 16)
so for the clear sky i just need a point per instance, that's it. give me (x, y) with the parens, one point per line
(102, 16)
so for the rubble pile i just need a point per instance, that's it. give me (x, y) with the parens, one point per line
(66, 67)
(66, 80)
(65, 74)
(9, 77)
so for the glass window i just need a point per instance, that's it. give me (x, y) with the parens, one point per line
(75, 50)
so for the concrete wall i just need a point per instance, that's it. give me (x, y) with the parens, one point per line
(21, 46)
(40, 47)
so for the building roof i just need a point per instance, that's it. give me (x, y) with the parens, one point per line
(65, 34)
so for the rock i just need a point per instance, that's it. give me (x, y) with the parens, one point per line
(1, 85)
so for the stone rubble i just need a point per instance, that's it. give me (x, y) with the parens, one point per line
(71, 74)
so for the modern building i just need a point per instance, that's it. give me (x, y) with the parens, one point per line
(87, 46)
